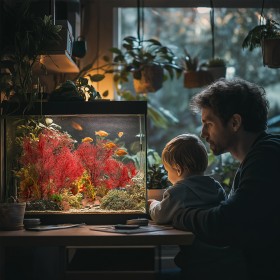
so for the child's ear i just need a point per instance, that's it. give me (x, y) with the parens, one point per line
(178, 170)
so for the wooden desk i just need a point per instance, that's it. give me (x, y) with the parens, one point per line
(84, 237)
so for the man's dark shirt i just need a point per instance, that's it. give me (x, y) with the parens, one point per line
(250, 217)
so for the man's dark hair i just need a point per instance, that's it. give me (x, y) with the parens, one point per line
(236, 96)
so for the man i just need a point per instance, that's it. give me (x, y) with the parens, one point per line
(234, 120)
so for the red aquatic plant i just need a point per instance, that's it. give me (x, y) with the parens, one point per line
(49, 165)
(103, 165)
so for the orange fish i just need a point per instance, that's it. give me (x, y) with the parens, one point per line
(121, 152)
(101, 133)
(87, 140)
(120, 134)
(110, 145)
(77, 126)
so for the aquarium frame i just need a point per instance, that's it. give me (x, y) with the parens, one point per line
(104, 107)
(75, 107)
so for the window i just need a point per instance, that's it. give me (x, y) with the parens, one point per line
(189, 28)
(178, 24)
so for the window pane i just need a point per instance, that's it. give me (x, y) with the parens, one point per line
(186, 28)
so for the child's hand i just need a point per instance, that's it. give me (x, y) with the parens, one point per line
(150, 201)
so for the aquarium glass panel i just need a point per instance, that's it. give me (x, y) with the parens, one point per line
(77, 163)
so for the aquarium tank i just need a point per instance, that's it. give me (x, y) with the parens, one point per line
(76, 161)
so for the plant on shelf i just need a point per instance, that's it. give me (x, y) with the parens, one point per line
(79, 90)
(26, 39)
(265, 35)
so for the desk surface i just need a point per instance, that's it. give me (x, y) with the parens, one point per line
(83, 236)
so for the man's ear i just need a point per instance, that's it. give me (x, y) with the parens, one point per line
(236, 122)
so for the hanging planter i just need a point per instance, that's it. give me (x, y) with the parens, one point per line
(150, 79)
(146, 61)
(196, 79)
(216, 67)
(267, 36)
(270, 52)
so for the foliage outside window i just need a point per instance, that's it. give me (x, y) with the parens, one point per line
(186, 28)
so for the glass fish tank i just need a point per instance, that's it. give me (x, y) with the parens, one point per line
(75, 161)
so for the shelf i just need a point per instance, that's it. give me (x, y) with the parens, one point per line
(59, 63)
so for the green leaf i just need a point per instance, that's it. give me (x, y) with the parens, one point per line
(96, 77)
(157, 117)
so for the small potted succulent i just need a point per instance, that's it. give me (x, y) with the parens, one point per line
(266, 35)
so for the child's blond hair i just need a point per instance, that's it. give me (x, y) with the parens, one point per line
(188, 152)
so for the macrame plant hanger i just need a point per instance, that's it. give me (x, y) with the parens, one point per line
(140, 31)
(140, 20)
(212, 23)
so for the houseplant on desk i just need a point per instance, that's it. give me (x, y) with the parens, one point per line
(12, 214)
(157, 178)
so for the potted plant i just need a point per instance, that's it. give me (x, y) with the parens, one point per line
(157, 178)
(28, 38)
(146, 60)
(194, 77)
(267, 36)
(216, 68)
(12, 214)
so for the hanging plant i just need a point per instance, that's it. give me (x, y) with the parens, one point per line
(266, 35)
(148, 61)
(216, 68)
(194, 77)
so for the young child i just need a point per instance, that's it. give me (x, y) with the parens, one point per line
(185, 160)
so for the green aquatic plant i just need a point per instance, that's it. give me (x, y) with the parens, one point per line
(132, 198)
(117, 200)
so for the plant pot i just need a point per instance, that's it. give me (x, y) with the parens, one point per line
(270, 52)
(196, 79)
(217, 72)
(150, 80)
(12, 215)
(155, 193)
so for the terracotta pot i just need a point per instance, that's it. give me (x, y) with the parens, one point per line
(12, 215)
(217, 72)
(151, 79)
(196, 79)
(271, 53)
(155, 193)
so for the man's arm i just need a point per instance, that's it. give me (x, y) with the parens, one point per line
(204, 223)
